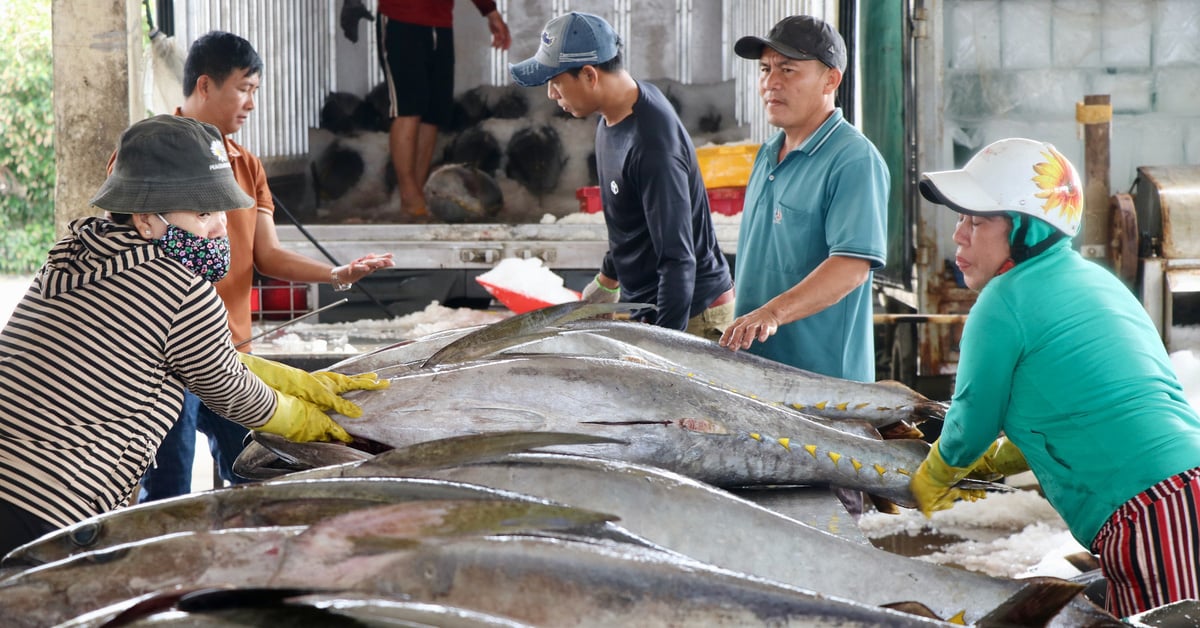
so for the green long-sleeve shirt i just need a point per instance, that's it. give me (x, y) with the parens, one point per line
(1061, 357)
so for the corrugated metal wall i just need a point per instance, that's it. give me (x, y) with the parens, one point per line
(756, 17)
(295, 39)
(663, 39)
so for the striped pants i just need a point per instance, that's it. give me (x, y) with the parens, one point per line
(1149, 549)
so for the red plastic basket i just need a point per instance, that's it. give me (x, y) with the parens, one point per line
(727, 201)
(589, 199)
(518, 302)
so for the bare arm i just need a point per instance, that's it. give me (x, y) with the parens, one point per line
(827, 284)
(272, 260)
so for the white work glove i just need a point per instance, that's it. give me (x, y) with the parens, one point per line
(595, 292)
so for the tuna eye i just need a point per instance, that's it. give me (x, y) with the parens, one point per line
(85, 535)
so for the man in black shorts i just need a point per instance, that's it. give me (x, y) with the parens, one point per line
(416, 51)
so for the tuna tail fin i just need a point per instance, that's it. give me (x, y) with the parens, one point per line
(1034, 604)
(509, 332)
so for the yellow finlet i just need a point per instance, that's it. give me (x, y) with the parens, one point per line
(811, 449)
(756, 436)
(798, 406)
(786, 442)
(880, 469)
(856, 464)
(835, 457)
(842, 406)
(821, 405)
(960, 618)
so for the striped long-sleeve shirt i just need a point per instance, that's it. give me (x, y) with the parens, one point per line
(93, 365)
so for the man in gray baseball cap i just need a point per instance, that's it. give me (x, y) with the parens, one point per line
(567, 42)
(662, 246)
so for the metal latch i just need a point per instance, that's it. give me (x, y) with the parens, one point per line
(479, 256)
(546, 255)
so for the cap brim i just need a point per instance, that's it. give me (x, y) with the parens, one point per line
(531, 73)
(751, 47)
(124, 196)
(958, 190)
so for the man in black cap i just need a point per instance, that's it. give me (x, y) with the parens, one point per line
(814, 225)
(662, 246)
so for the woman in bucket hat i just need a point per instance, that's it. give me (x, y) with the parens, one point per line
(1059, 356)
(118, 322)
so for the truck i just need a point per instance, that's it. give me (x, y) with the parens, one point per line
(1111, 84)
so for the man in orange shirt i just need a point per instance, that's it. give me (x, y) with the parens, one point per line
(220, 79)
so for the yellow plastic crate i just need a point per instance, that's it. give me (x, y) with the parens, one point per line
(726, 165)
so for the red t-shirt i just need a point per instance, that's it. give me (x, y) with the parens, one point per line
(437, 13)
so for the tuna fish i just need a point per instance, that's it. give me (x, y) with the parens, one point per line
(323, 555)
(714, 526)
(537, 580)
(668, 420)
(291, 503)
(890, 406)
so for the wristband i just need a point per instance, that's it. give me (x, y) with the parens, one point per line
(338, 284)
(606, 288)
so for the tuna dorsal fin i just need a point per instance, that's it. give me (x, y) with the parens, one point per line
(1034, 604)
(456, 450)
(508, 332)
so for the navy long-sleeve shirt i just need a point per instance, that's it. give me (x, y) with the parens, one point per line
(662, 246)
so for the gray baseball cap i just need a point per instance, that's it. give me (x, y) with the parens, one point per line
(798, 37)
(171, 163)
(567, 42)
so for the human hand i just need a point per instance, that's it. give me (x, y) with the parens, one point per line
(1000, 460)
(933, 484)
(500, 36)
(352, 12)
(757, 325)
(309, 387)
(597, 292)
(363, 266)
(339, 383)
(302, 422)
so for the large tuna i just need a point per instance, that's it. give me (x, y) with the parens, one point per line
(538, 580)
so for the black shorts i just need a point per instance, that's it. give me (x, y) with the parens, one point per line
(418, 66)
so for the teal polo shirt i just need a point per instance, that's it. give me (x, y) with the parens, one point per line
(826, 197)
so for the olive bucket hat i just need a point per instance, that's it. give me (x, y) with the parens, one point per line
(171, 163)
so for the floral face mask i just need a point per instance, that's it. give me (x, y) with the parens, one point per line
(207, 257)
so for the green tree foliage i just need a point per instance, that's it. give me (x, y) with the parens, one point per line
(26, 135)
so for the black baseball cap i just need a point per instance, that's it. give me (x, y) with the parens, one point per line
(798, 37)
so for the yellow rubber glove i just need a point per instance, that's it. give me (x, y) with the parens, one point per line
(1000, 460)
(322, 391)
(300, 421)
(339, 383)
(933, 484)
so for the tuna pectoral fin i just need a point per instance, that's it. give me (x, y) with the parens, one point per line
(914, 608)
(471, 448)
(398, 526)
(1034, 604)
(511, 331)
(900, 429)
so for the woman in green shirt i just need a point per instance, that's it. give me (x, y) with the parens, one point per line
(1059, 357)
